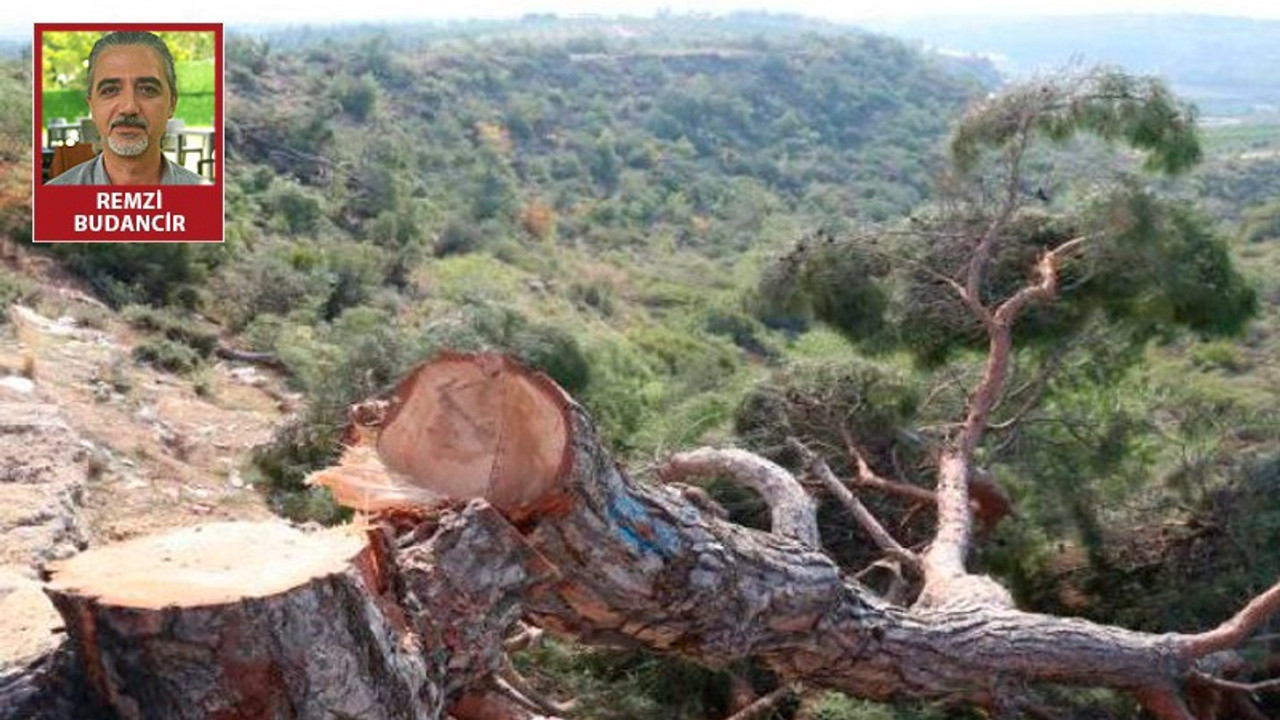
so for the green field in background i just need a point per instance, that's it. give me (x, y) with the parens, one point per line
(195, 97)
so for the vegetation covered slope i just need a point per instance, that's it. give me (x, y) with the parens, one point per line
(603, 204)
(590, 204)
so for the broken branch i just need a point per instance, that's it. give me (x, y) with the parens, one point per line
(792, 512)
(883, 540)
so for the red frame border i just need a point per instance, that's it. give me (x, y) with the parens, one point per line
(219, 111)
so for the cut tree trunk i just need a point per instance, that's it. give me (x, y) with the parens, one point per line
(641, 565)
(234, 621)
(496, 501)
(249, 621)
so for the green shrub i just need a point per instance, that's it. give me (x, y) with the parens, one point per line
(628, 684)
(15, 288)
(458, 238)
(180, 330)
(744, 331)
(624, 394)
(555, 351)
(300, 210)
(276, 278)
(357, 96)
(598, 295)
(280, 466)
(1219, 355)
(133, 273)
(167, 355)
(1262, 223)
(835, 706)
(358, 355)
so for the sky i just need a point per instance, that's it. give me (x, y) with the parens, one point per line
(239, 12)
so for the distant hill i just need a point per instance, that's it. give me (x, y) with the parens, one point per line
(1226, 65)
(626, 129)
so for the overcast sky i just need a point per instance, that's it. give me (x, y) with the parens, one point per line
(235, 12)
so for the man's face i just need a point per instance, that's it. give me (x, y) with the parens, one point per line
(129, 100)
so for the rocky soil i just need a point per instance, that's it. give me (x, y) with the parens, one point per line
(95, 447)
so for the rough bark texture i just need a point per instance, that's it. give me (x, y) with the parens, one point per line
(243, 621)
(50, 686)
(462, 580)
(414, 621)
(642, 565)
(201, 640)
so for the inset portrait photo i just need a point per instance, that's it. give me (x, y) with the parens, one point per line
(128, 133)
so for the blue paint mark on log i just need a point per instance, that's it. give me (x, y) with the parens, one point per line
(642, 533)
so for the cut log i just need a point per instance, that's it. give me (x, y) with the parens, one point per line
(640, 565)
(244, 621)
(234, 621)
(461, 427)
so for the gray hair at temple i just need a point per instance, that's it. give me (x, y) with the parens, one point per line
(135, 37)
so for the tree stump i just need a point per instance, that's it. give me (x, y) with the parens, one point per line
(495, 501)
(241, 621)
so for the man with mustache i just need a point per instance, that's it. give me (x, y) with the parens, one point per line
(133, 91)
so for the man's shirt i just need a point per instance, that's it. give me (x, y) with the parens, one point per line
(93, 172)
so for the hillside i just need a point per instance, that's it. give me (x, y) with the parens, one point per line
(585, 199)
(605, 199)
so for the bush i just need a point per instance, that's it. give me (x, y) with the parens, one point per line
(300, 210)
(281, 465)
(167, 355)
(357, 96)
(1219, 355)
(555, 351)
(125, 273)
(1262, 223)
(15, 288)
(358, 355)
(835, 706)
(278, 278)
(596, 294)
(458, 238)
(628, 684)
(743, 331)
(184, 331)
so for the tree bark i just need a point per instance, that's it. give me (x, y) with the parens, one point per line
(235, 621)
(641, 565)
(496, 501)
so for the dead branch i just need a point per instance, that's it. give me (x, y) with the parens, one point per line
(493, 703)
(261, 359)
(526, 636)
(981, 255)
(1042, 291)
(522, 688)
(1254, 687)
(762, 707)
(991, 503)
(792, 511)
(868, 522)
(867, 477)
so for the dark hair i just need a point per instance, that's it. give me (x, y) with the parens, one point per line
(135, 37)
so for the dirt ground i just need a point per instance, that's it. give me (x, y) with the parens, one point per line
(95, 447)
